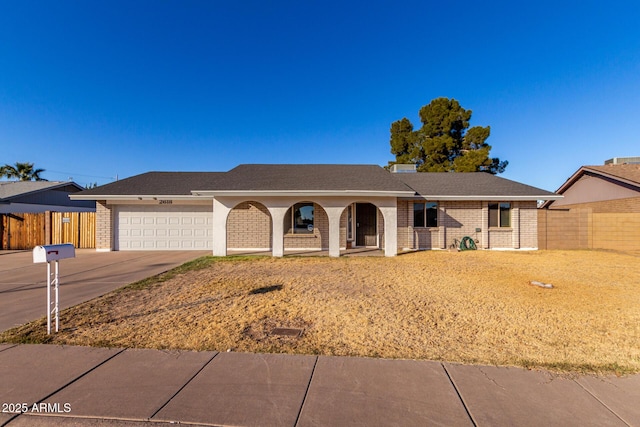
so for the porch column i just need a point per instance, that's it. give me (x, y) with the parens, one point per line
(220, 214)
(390, 215)
(442, 227)
(485, 225)
(515, 226)
(277, 224)
(334, 214)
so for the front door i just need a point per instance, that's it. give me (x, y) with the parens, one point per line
(366, 227)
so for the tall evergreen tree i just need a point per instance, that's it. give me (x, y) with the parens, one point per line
(444, 143)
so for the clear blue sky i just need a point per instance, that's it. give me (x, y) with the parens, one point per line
(95, 89)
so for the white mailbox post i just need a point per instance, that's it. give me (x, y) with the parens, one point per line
(52, 254)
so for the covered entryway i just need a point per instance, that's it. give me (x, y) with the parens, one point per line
(366, 225)
(328, 214)
(163, 227)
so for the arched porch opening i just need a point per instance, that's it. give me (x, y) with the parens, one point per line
(249, 227)
(363, 225)
(306, 227)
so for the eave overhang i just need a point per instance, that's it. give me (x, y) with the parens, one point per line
(405, 195)
(299, 193)
(583, 170)
(135, 197)
(486, 198)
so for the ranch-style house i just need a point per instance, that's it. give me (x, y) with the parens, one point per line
(285, 208)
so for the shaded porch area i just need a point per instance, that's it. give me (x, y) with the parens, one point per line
(371, 252)
(305, 226)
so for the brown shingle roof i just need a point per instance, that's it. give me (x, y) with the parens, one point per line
(269, 177)
(629, 172)
(321, 178)
(157, 183)
(434, 184)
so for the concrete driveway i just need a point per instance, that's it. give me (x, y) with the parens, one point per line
(23, 284)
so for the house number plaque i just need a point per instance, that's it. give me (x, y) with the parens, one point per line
(165, 202)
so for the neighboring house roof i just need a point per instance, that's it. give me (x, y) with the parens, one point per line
(286, 179)
(14, 189)
(155, 184)
(470, 186)
(41, 196)
(627, 175)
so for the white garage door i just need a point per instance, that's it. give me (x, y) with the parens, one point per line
(159, 227)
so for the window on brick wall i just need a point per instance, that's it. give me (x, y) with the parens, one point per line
(425, 214)
(500, 214)
(301, 217)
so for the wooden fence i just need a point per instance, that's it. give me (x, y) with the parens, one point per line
(28, 230)
(581, 228)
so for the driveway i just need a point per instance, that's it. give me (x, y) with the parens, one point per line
(23, 284)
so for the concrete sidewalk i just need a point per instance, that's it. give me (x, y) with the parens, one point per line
(83, 386)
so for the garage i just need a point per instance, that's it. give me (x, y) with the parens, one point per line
(163, 227)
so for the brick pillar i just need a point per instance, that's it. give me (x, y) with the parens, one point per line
(104, 226)
(442, 226)
(485, 225)
(515, 227)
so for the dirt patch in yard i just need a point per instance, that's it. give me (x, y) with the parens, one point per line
(469, 307)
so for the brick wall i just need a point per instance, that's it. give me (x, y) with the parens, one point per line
(564, 229)
(457, 219)
(104, 226)
(528, 224)
(581, 228)
(523, 232)
(426, 238)
(628, 205)
(320, 237)
(405, 226)
(460, 219)
(500, 238)
(343, 228)
(249, 226)
(380, 229)
(415, 238)
(619, 231)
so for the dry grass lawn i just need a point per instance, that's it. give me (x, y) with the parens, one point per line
(469, 307)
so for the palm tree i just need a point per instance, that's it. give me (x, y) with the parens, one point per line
(22, 171)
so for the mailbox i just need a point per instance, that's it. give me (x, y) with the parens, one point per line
(46, 253)
(51, 254)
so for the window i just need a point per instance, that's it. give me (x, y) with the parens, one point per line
(425, 214)
(500, 214)
(418, 214)
(432, 214)
(302, 219)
